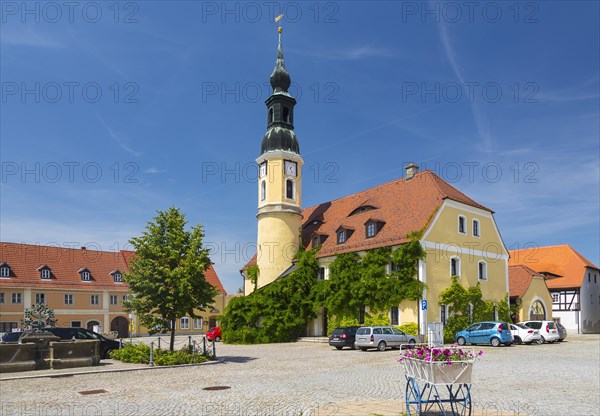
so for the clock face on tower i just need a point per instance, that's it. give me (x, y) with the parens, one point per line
(290, 168)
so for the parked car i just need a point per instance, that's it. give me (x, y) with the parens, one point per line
(381, 337)
(548, 329)
(489, 332)
(106, 345)
(11, 337)
(343, 337)
(524, 335)
(214, 333)
(562, 331)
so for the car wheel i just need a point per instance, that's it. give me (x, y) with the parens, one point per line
(528, 343)
(338, 348)
(412, 341)
(560, 340)
(363, 349)
(381, 346)
(518, 340)
(353, 346)
(106, 354)
(217, 339)
(495, 342)
(541, 340)
(461, 341)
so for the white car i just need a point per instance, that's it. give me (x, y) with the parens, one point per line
(524, 335)
(548, 329)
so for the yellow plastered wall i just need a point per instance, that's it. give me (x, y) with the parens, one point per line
(537, 290)
(275, 184)
(408, 311)
(443, 237)
(278, 242)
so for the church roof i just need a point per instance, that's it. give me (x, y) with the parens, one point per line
(24, 261)
(398, 208)
(519, 279)
(561, 261)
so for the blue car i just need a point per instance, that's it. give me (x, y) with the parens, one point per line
(490, 332)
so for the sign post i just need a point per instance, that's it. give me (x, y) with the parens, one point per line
(424, 309)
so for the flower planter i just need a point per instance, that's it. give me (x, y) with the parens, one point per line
(439, 372)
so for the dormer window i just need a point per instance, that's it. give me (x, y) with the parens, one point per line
(45, 272)
(4, 270)
(341, 236)
(362, 209)
(117, 277)
(372, 227)
(317, 240)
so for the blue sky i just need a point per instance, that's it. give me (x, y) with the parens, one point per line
(111, 111)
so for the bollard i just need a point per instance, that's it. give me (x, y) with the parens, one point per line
(152, 354)
(159, 343)
(189, 341)
(214, 351)
(194, 350)
(204, 345)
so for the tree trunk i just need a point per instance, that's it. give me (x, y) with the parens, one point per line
(172, 344)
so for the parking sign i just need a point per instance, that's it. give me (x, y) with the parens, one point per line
(424, 305)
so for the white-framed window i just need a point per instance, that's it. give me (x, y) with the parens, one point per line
(455, 266)
(482, 270)
(4, 271)
(16, 298)
(118, 277)
(290, 189)
(341, 236)
(184, 323)
(394, 315)
(95, 299)
(444, 314)
(124, 298)
(68, 298)
(2, 298)
(555, 297)
(45, 273)
(462, 224)
(263, 190)
(85, 276)
(114, 300)
(40, 298)
(197, 323)
(321, 273)
(476, 230)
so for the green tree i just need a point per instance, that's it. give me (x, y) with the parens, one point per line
(166, 276)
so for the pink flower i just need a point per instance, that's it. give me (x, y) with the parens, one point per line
(480, 353)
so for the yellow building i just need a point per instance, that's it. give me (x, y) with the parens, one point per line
(459, 235)
(83, 287)
(528, 291)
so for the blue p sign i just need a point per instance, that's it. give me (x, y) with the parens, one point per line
(424, 305)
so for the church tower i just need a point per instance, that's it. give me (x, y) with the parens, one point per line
(279, 182)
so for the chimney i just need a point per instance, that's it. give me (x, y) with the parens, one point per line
(411, 170)
(83, 247)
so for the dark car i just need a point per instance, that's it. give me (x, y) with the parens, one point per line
(343, 337)
(11, 337)
(106, 345)
(562, 331)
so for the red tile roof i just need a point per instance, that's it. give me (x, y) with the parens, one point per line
(25, 259)
(519, 279)
(562, 261)
(401, 206)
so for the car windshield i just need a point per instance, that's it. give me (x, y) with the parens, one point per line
(534, 324)
(522, 326)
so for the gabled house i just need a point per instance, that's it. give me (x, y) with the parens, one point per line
(573, 282)
(84, 287)
(528, 291)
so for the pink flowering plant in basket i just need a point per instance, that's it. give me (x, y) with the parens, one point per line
(439, 365)
(449, 355)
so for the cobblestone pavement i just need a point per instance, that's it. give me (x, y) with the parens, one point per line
(314, 379)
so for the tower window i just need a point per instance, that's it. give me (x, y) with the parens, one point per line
(286, 115)
(271, 115)
(290, 189)
(263, 190)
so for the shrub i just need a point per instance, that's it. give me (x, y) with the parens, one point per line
(410, 328)
(377, 320)
(140, 354)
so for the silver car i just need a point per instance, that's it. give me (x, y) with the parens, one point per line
(381, 337)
